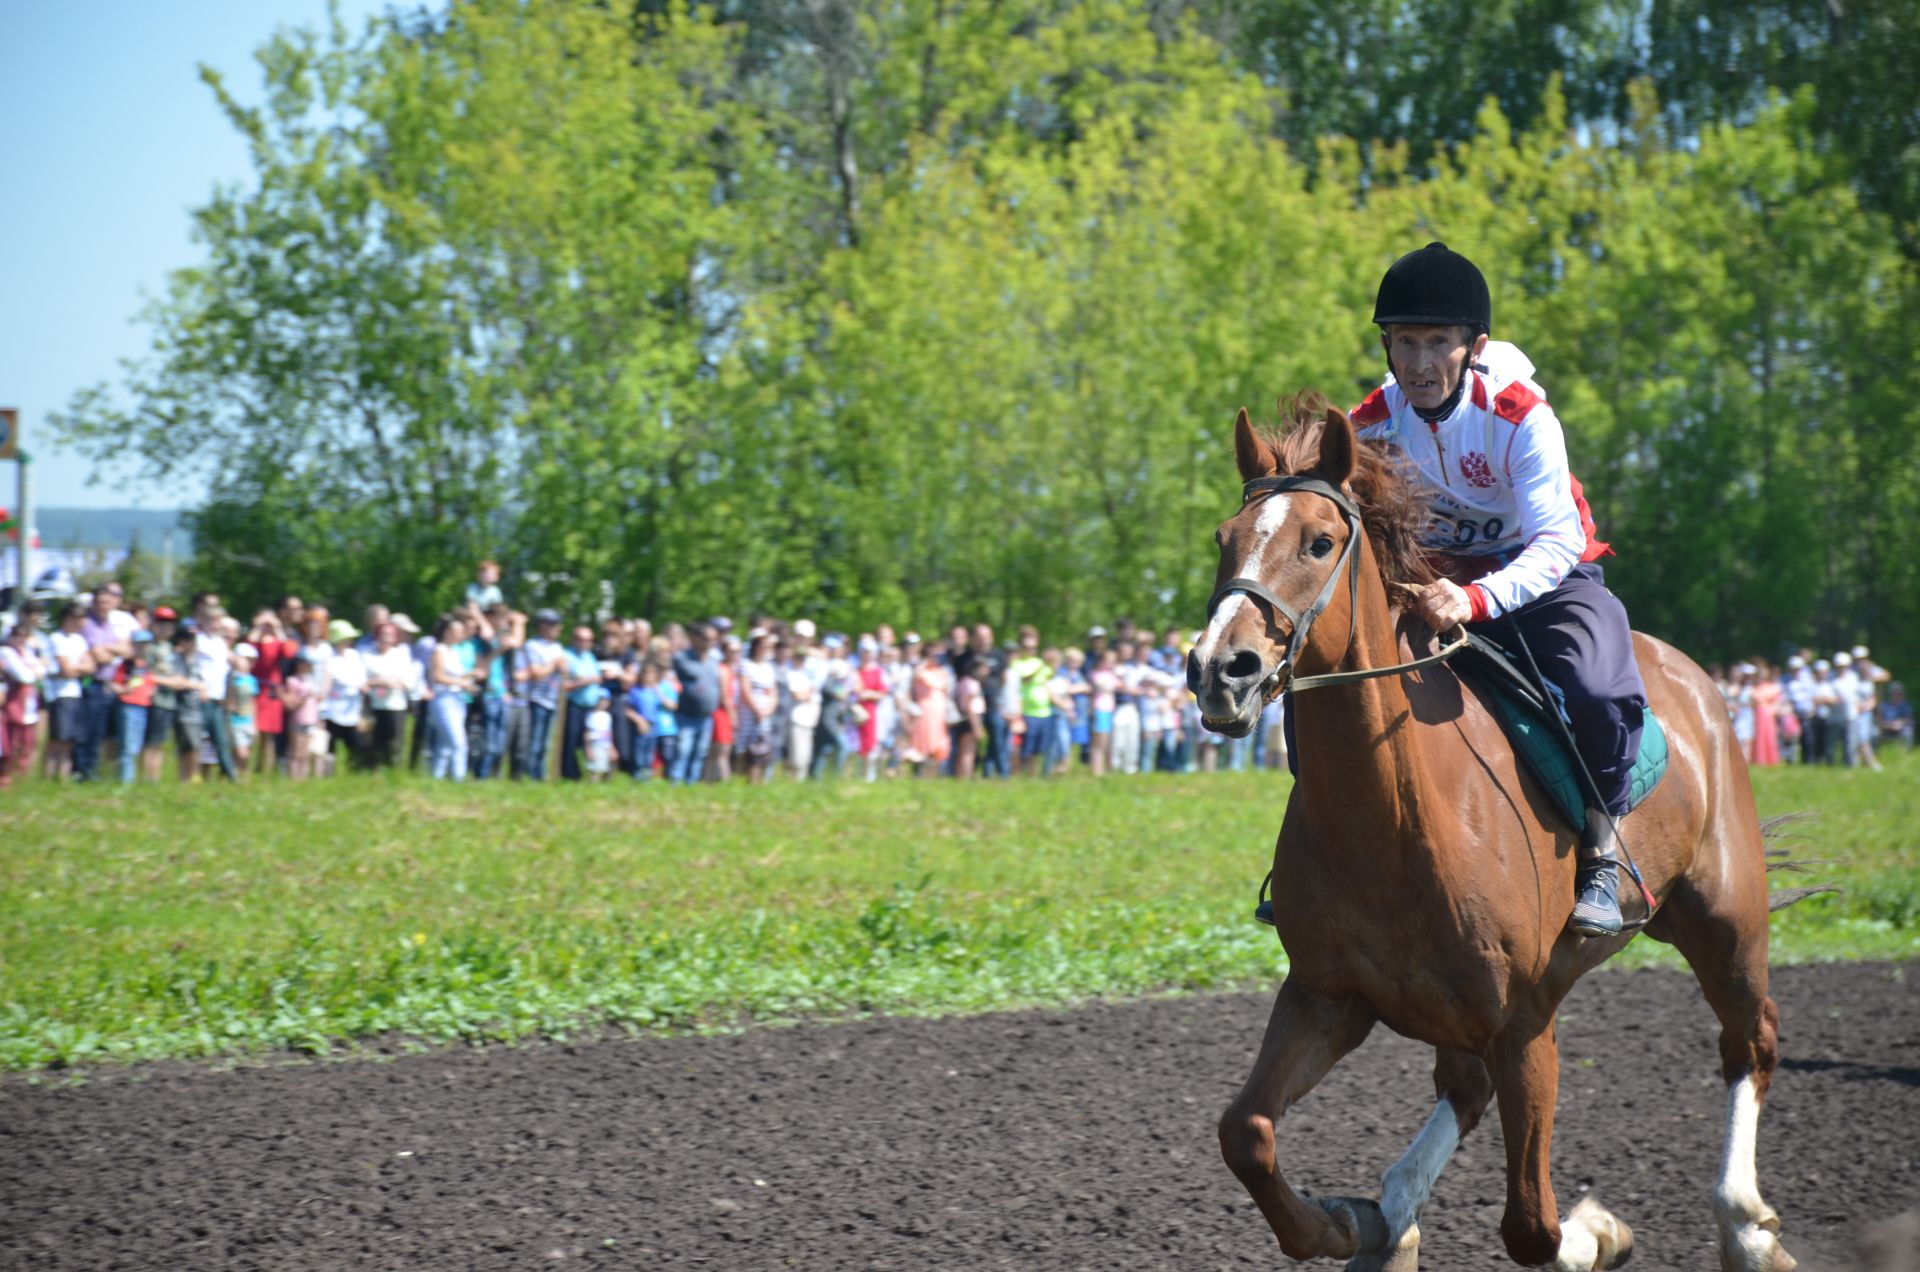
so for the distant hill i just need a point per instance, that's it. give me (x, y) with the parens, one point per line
(113, 528)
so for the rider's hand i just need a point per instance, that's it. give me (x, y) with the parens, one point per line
(1444, 603)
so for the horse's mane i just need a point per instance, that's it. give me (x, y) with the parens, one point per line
(1394, 511)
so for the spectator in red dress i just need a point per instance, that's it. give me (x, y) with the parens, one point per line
(270, 635)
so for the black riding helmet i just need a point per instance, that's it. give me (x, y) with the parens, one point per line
(1435, 286)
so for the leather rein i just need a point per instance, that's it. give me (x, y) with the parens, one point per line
(1304, 620)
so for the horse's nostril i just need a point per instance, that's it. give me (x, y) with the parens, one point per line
(1244, 665)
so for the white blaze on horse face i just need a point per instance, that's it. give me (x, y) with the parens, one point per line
(1406, 1187)
(1273, 514)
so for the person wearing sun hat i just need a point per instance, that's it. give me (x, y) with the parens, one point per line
(1866, 706)
(345, 703)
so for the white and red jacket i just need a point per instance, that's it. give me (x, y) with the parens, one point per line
(1509, 519)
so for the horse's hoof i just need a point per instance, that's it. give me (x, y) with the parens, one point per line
(1622, 1250)
(1616, 1241)
(1360, 1219)
(1403, 1257)
(1754, 1248)
(1593, 1237)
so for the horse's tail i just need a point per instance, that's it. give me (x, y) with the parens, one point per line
(1773, 828)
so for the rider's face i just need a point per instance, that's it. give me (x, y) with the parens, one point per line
(1429, 361)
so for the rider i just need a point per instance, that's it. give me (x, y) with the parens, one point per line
(1511, 537)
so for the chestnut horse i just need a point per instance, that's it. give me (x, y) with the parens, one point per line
(1423, 879)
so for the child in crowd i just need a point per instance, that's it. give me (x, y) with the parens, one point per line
(243, 690)
(133, 686)
(303, 718)
(667, 731)
(484, 592)
(643, 712)
(1106, 685)
(599, 740)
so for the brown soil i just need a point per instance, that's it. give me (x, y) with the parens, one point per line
(1041, 1139)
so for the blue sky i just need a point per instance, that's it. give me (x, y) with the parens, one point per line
(107, 139)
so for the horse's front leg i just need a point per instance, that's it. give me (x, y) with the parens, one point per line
(1305, 1037)
(1526, 1076)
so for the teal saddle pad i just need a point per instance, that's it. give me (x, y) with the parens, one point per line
(1538, 744)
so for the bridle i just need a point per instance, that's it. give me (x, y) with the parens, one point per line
(1304, 620)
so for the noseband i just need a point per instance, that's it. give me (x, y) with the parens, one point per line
(1303, 620)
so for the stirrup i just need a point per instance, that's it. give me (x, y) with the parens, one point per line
(1263, 908)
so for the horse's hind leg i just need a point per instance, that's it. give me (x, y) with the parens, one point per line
(1305, 1037)
(1724, 939)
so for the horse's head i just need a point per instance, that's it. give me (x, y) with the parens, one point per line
(1284, 559)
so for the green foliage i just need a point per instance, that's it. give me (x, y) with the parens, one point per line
(929, 311)
(306, 917)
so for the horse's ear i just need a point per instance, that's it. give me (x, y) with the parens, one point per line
(1254, 456)
(1337, 445)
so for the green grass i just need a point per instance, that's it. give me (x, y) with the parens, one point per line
(171, 921)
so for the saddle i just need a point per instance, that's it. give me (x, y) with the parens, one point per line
(1522, 705)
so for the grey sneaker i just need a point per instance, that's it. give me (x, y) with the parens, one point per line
(1596, 899)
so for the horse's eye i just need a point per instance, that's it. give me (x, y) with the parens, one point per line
(1321, 546)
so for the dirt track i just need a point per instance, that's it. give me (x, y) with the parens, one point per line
(1068, 1139)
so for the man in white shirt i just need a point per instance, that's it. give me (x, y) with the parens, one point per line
(212, 659)
(1510, 531)
(1844, 707)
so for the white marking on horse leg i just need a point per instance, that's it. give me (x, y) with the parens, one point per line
(1747, 1223)
(1406, 1186)
(1736, 1198)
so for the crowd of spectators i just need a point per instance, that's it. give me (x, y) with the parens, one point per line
(1814, 710)
(491, 692)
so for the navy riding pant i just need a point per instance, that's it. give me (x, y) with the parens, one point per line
(1579, 635)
